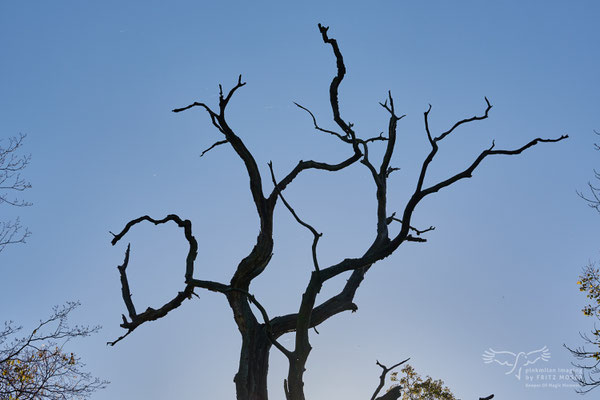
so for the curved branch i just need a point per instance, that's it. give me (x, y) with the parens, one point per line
(153, 314)
(367, 163)
(335, 83)
(465, 121)
(305, 165)
(343, 138)
(467, 173)
(187, 229)
(346, 127)
(218, 143)
(341, 302)
(316, 234)
(211, 113)
(317, 127)
(252, 265)
(266, 320)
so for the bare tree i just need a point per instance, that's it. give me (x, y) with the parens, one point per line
(588, 355)
(11, 165)
(259, 331)
(593, 198)
(35, 366)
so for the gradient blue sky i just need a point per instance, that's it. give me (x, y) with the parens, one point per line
(92, 85)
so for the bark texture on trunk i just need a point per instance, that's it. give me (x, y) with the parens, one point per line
(251, 378)
(295, 382)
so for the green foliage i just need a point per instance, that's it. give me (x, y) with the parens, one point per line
(589, 283)
(416, 388)
(35, 366)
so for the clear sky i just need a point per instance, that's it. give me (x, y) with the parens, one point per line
(92, 86)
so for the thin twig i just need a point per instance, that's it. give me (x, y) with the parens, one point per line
(220, 142)
(316, 234)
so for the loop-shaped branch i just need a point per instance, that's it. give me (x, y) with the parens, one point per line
(187, 229)
(152, 314)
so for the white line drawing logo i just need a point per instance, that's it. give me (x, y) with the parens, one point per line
(515, 361)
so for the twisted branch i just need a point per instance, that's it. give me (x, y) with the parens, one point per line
(152, 314)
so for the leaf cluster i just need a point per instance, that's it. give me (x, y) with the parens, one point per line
(414, 387)
(36, 366)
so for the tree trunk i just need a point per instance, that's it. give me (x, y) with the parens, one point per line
(251, 378)
(295, 382)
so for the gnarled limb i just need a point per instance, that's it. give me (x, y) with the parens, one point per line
(343, 301)
(252, 265)
(257, 338)
(421, 193)
(350, 135)
(152, 314)
(335, 84)
(267, 321)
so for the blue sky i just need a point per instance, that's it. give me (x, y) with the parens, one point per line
(92, 85)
